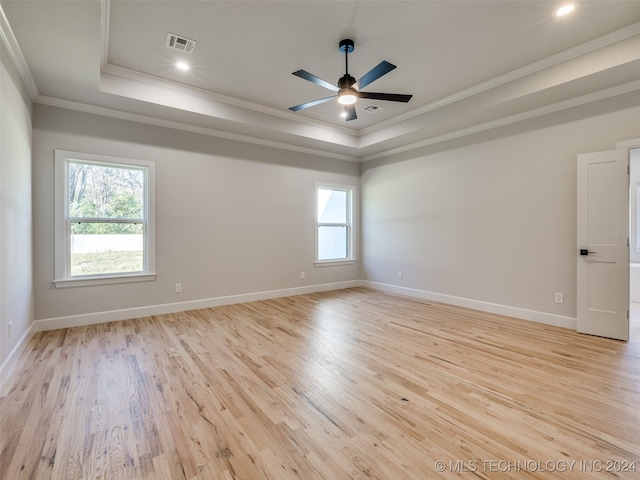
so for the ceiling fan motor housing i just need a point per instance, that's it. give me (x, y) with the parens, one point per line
(346, 81)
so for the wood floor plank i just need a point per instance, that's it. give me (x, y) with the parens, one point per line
(351, 384)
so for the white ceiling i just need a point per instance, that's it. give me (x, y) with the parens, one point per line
(470, 65)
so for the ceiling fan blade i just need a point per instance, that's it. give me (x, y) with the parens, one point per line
(375, 73)
(312, 103)
(390, 97)
(350, 112)
(317, 80)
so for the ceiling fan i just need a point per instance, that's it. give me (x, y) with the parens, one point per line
(348, 89)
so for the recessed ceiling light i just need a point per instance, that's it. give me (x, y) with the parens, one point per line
(182, 66)
(565, 10)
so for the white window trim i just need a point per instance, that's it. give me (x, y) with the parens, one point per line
(62, 278)
(352, 259)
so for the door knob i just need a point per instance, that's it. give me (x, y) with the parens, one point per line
(585, 251)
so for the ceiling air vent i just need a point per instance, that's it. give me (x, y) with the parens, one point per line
(373, 108)
(176, 42)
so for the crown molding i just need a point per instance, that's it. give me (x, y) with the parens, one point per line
(145, 78)
(11, 44)
(548, 62)
(105, 19)
(501, 122)
(483, 127)
(146, 119)
(106, 67)
(358, 138)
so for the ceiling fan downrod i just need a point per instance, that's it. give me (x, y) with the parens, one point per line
(346, 46)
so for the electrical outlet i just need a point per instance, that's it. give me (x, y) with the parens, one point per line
(559, 298)
(302, 276)
(399, 275)
(178, 288)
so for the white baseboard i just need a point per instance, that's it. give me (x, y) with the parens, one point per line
(137, 312)
(129, 313)
(10, 362)
(521, 313)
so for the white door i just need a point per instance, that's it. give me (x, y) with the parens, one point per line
(603, 251)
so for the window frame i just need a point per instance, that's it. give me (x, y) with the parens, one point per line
(62, 221)
(350, 224)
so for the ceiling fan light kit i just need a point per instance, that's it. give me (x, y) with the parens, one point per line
(348, 89)
(347, 96)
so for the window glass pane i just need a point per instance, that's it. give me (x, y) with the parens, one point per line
(105, 191)
(332, 242)
(100, 248)
(332, 206)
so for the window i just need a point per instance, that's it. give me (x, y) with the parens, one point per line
(104, 219)
(334, 227)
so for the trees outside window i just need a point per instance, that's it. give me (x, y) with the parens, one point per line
(104, 227)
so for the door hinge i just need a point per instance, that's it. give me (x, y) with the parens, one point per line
(628, 169)
(627, 314)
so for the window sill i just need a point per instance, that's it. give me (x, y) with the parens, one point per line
(329, 263)
(104, 280)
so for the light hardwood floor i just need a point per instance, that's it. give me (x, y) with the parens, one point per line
(351, 384)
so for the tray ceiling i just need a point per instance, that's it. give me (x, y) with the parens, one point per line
(470, 65)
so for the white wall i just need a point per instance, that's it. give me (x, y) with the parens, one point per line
(231, 218)
(486, 224)
(16, 269)
(489, 219)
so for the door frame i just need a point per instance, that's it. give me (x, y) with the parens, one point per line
(632, 144)
(627, 146)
